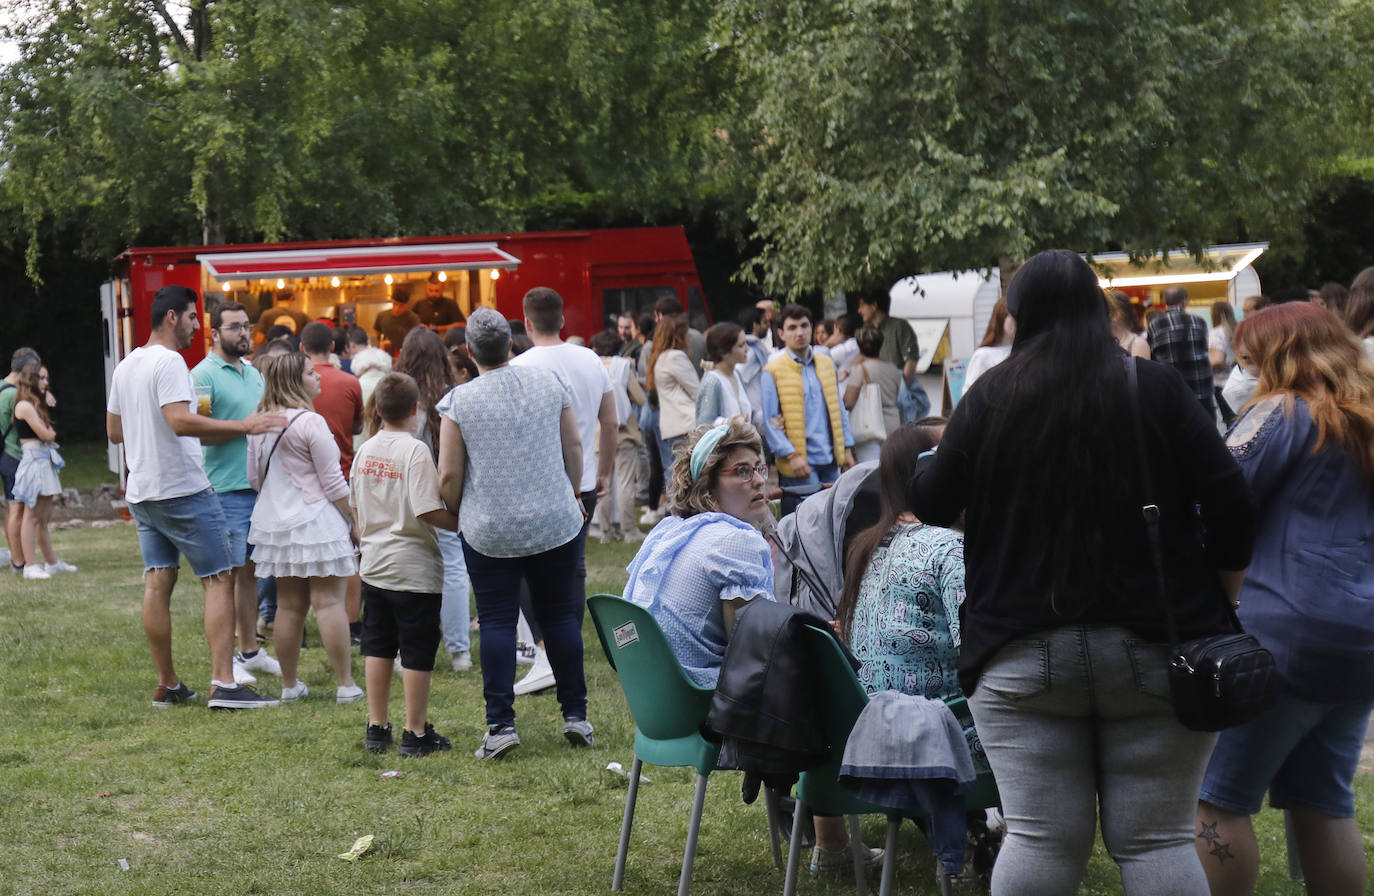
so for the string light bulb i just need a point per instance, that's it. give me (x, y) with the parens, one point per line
(334, 282)
(443, 277)
(496, 275)
(281, 284)
(388, 279)
(224, 287)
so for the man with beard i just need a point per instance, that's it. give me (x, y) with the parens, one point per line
(234, 389)
(170, 497)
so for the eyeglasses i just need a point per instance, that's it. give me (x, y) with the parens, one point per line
(747, 472)
(236, 328)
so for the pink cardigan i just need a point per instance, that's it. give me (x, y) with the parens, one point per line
(308, 454)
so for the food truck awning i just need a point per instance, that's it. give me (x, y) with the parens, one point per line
(369, 260)
(1219, 263)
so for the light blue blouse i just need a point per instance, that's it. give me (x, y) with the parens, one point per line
(905, 631)
(517, 500)
(682, 572)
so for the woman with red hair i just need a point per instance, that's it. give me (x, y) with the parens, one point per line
(1306, 444)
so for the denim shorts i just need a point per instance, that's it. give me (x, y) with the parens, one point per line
(192, 525)
(238, 512)
(1304, 753)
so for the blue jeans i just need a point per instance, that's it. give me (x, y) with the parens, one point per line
(1079, 717)
(666, 447)
(558, 601)
(238, 515)
(795, 490)
(454, 615)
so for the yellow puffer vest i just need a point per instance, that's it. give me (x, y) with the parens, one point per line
(787, 373)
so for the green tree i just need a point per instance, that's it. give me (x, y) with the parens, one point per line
(129, 120)
(892, 137)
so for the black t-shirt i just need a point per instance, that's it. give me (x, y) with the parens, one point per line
(395, 327)
(438, 312)
(1200, 489)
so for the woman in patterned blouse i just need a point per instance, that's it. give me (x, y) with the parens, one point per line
(904, 582)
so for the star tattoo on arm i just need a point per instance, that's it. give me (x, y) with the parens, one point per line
(1209, 832)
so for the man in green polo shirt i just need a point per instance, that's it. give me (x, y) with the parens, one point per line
(234, 388)
(13, 453)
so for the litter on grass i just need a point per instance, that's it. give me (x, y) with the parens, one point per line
(362, 845)
(123, 864)
(392, 774)
(616, 768)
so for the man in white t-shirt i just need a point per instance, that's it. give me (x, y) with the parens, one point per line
(151, 411)
(593, 403)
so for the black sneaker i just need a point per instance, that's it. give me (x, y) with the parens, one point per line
(431, 741)
(378, 738)
(164, 696)
(239, 697)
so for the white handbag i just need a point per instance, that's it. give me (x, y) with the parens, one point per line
(866, 417)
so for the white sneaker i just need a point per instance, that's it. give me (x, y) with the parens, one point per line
(295, 692)
(349, 693)
(60, 566)
(524, 653)
(241, 674)
(649, 517)
(259, 662)
(36, 571)
(539, 678)
(462, 661)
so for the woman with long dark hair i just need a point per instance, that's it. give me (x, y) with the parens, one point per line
(1063, 652)
(903, 584)
(1306, 444)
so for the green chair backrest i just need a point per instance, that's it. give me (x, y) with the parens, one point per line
(844, 696)
(664, 702)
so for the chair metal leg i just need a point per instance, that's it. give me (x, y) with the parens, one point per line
(856, 849)
(693, 829)
(789, 881)
(889, 857)
(1290, 842)
(618, 879)
(770, 802)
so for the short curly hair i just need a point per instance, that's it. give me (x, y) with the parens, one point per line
(687, 496)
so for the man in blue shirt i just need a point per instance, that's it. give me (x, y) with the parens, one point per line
(233, 389)
(805, 424)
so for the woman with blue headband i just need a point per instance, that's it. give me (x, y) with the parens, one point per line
(707, 559)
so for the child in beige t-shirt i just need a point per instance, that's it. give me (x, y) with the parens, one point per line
(394, 489)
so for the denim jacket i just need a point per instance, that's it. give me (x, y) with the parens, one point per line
(1309, 592)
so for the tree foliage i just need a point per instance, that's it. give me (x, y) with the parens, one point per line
(893, 137)
(273, 119)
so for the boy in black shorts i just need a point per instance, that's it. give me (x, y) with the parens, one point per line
(394, 489)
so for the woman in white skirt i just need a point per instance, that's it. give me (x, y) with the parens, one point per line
(297, 537)
(36, 481)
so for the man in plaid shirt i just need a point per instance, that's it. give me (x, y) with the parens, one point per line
(1179, 339)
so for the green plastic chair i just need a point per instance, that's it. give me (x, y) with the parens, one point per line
(819, 789)
(668, 709)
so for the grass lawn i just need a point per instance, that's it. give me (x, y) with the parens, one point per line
(87, 466)
(263, 802)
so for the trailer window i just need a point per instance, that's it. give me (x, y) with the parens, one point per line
(614, 302)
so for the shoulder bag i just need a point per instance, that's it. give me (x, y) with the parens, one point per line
(866, 419)
(281, 435)
(1219, 681)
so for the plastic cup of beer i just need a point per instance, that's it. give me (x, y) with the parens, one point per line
(203, 394)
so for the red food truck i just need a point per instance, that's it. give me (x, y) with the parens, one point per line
(599, 273)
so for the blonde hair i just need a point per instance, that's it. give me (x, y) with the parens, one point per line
(283, 382)
(687, 496)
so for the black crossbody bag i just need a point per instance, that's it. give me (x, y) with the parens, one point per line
(1219, 681)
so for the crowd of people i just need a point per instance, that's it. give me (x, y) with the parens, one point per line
(1004, 559)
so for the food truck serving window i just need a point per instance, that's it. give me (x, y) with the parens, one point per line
(360, 261)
